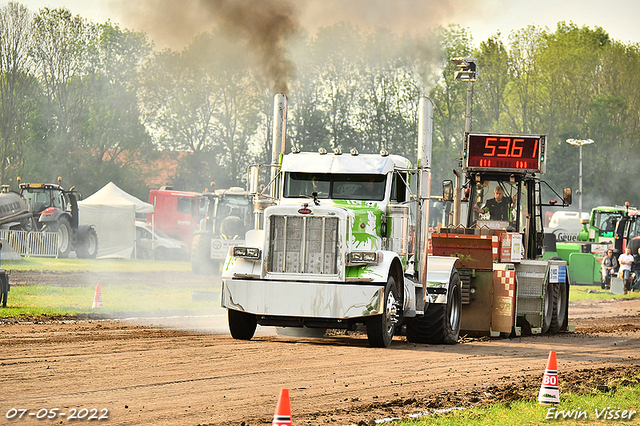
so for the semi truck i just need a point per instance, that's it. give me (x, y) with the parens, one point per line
(342, 242)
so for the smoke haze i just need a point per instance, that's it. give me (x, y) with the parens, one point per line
(266, 25)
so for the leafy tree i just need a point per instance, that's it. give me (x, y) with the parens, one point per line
(19, 107)
(204, 100)
(491, 86)
(449, 98)
(112, 137)
(59, 52)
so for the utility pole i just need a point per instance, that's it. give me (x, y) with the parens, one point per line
(468, 72)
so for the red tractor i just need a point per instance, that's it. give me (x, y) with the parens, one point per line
(56, 210)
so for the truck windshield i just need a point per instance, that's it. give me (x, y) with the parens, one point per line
(346, 186)
(634, 230)
(498, 201)
(605, 222)
(37, 199)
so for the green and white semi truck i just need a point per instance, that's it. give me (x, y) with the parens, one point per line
(343, 243)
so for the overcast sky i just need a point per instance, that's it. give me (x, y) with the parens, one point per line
(483, 17)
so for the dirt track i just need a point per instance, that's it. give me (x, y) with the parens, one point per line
(148, 375)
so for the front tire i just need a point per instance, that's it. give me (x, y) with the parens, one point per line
(242, 325)
(380, 328)
(441, 322)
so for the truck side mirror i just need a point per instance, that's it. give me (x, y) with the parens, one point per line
(567, 196)
(447, 190)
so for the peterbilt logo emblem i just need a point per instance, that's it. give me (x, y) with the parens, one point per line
(304, 210)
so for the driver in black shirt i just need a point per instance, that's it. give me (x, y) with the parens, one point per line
(499, 207)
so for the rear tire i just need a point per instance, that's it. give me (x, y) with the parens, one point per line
(380, 328)
(440, 323)
(242, 325)
(559, 314)
(89, 247)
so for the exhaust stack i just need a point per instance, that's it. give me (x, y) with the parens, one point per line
(279, 133)
(425, 134)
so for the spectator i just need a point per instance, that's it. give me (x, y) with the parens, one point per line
(626, 261)
(499, 207)
(609, 267)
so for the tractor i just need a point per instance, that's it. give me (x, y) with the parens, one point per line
(55, 210)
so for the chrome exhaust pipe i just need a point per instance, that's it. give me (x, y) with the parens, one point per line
(279, 141)
(425, 135)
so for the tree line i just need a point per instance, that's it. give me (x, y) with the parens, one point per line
(95, 102)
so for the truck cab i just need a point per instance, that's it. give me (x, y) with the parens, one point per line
(176, 213)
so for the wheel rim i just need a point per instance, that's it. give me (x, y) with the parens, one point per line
(548, 304)
(454, 312)
(391, 314)
(93, 244)
(63, 238)
(561, 304)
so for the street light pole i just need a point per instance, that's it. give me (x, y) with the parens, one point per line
(580, 143)
(468, 72)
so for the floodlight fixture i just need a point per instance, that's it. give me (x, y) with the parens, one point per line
(468, 69)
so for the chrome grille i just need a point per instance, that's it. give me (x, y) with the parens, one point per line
(303, 245)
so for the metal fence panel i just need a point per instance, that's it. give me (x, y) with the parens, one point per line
(43, 244)
(35, 244)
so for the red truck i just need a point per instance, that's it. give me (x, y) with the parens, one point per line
(176, 212)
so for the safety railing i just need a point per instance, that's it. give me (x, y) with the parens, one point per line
(31, 244)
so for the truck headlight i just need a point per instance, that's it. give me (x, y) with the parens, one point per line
(364, 257)
(250, 253)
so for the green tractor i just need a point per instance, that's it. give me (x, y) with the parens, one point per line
(607, 227)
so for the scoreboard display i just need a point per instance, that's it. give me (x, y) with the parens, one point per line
(501, 152)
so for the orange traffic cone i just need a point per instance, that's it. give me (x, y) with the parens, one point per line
(549, 392)
(282, 416)
(97, 298)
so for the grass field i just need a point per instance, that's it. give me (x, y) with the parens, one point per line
(117, 300)
(90, 265)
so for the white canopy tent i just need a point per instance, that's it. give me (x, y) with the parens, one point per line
(113, 212)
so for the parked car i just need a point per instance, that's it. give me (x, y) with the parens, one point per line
(163, 246)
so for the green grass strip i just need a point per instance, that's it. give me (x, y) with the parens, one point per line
(91, 265)
(116, 300)
(621, 406)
